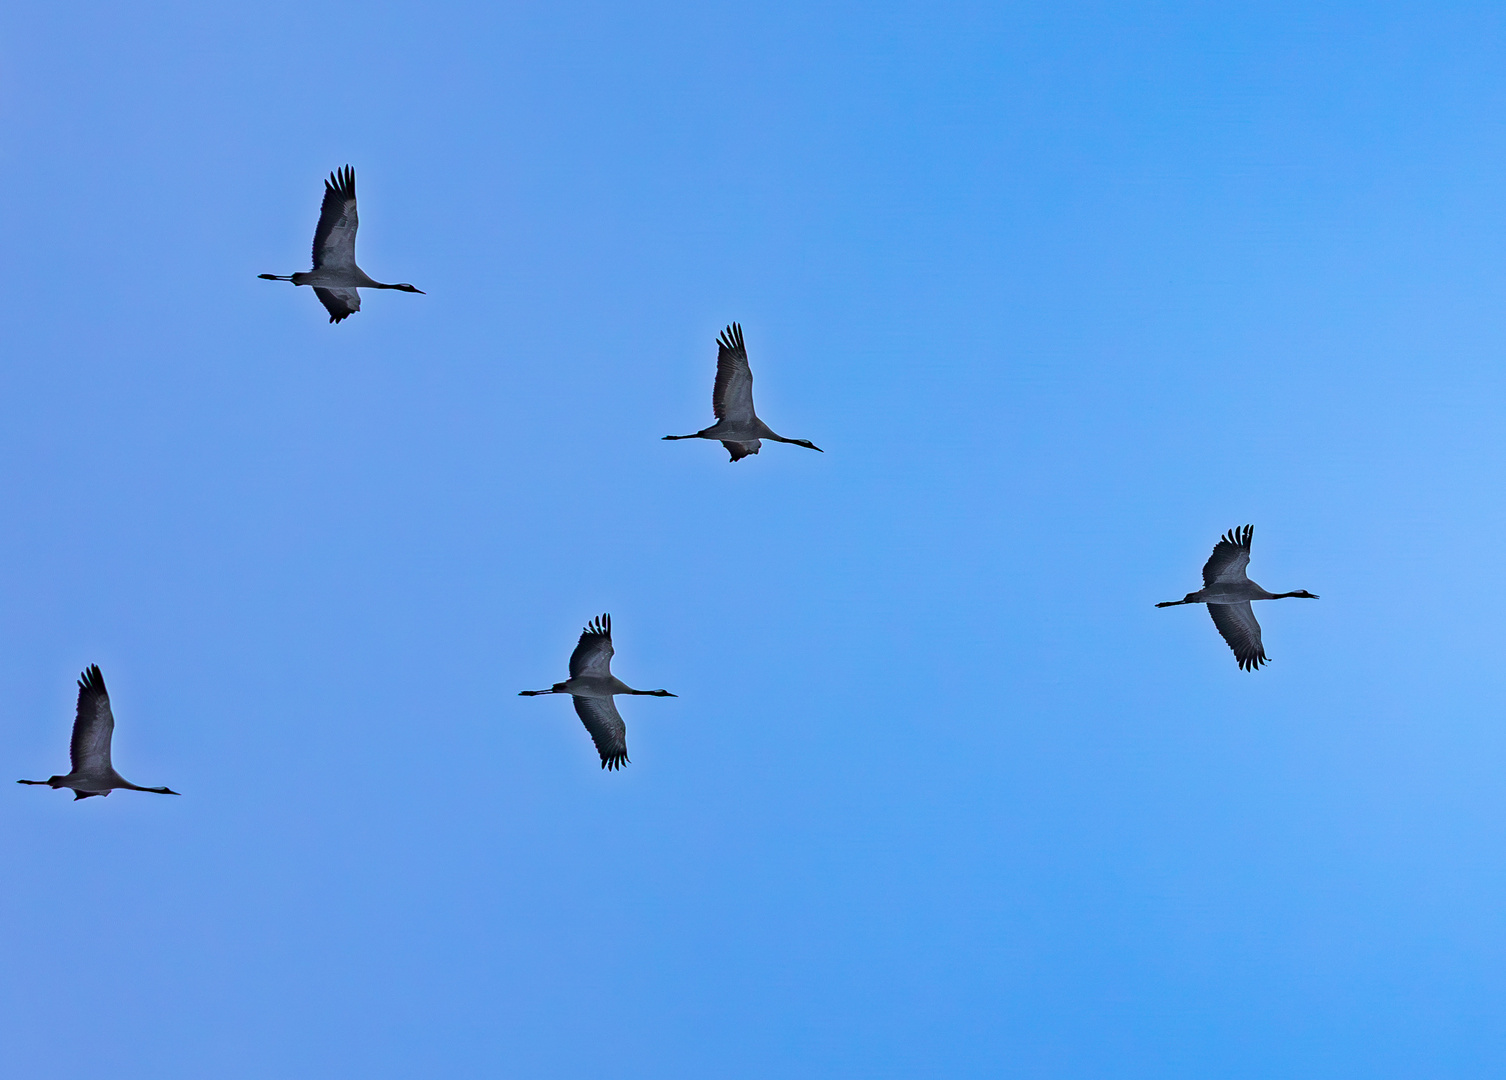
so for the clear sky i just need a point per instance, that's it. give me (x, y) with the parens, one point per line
(1064, 290)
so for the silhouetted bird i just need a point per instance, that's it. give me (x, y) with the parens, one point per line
(89, 753)
(335, 276)
(737, 427)
(591, 685)
(1228, 592)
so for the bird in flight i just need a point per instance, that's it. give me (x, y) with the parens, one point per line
(335, 276)
(89, 753)
(737, 427)
(1228, 592)
(591, 685)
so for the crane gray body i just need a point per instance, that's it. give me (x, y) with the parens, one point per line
(336, 277)
(592, 686)
(89, 751)
(737, 426)
(1228, 591)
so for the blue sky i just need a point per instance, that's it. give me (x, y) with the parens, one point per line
(1063, 290)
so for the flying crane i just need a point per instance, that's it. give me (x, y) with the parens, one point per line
(1228, 592)
(737, 426)
(335, 276)
(89, 753)
(591, 685)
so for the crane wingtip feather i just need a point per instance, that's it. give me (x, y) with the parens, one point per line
(92, 679)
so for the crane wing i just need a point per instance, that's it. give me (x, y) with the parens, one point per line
(732, 397)
(335, 236)
(89, 751)
(1236, 622)
(593, 653)
(1230, 557)
(340, 303)
(740, 450)
(608, 732)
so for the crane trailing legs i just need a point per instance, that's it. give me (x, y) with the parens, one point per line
(335, 276)
(1228, 592)
(737, 426)
(591, 687)
(93, 726)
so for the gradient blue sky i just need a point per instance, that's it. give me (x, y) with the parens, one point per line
(1064, 291)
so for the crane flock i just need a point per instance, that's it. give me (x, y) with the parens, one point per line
(337, 280)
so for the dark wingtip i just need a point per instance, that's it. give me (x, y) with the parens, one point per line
(731, 338)
(92, 679)
(1239, 536)
(342, 181)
